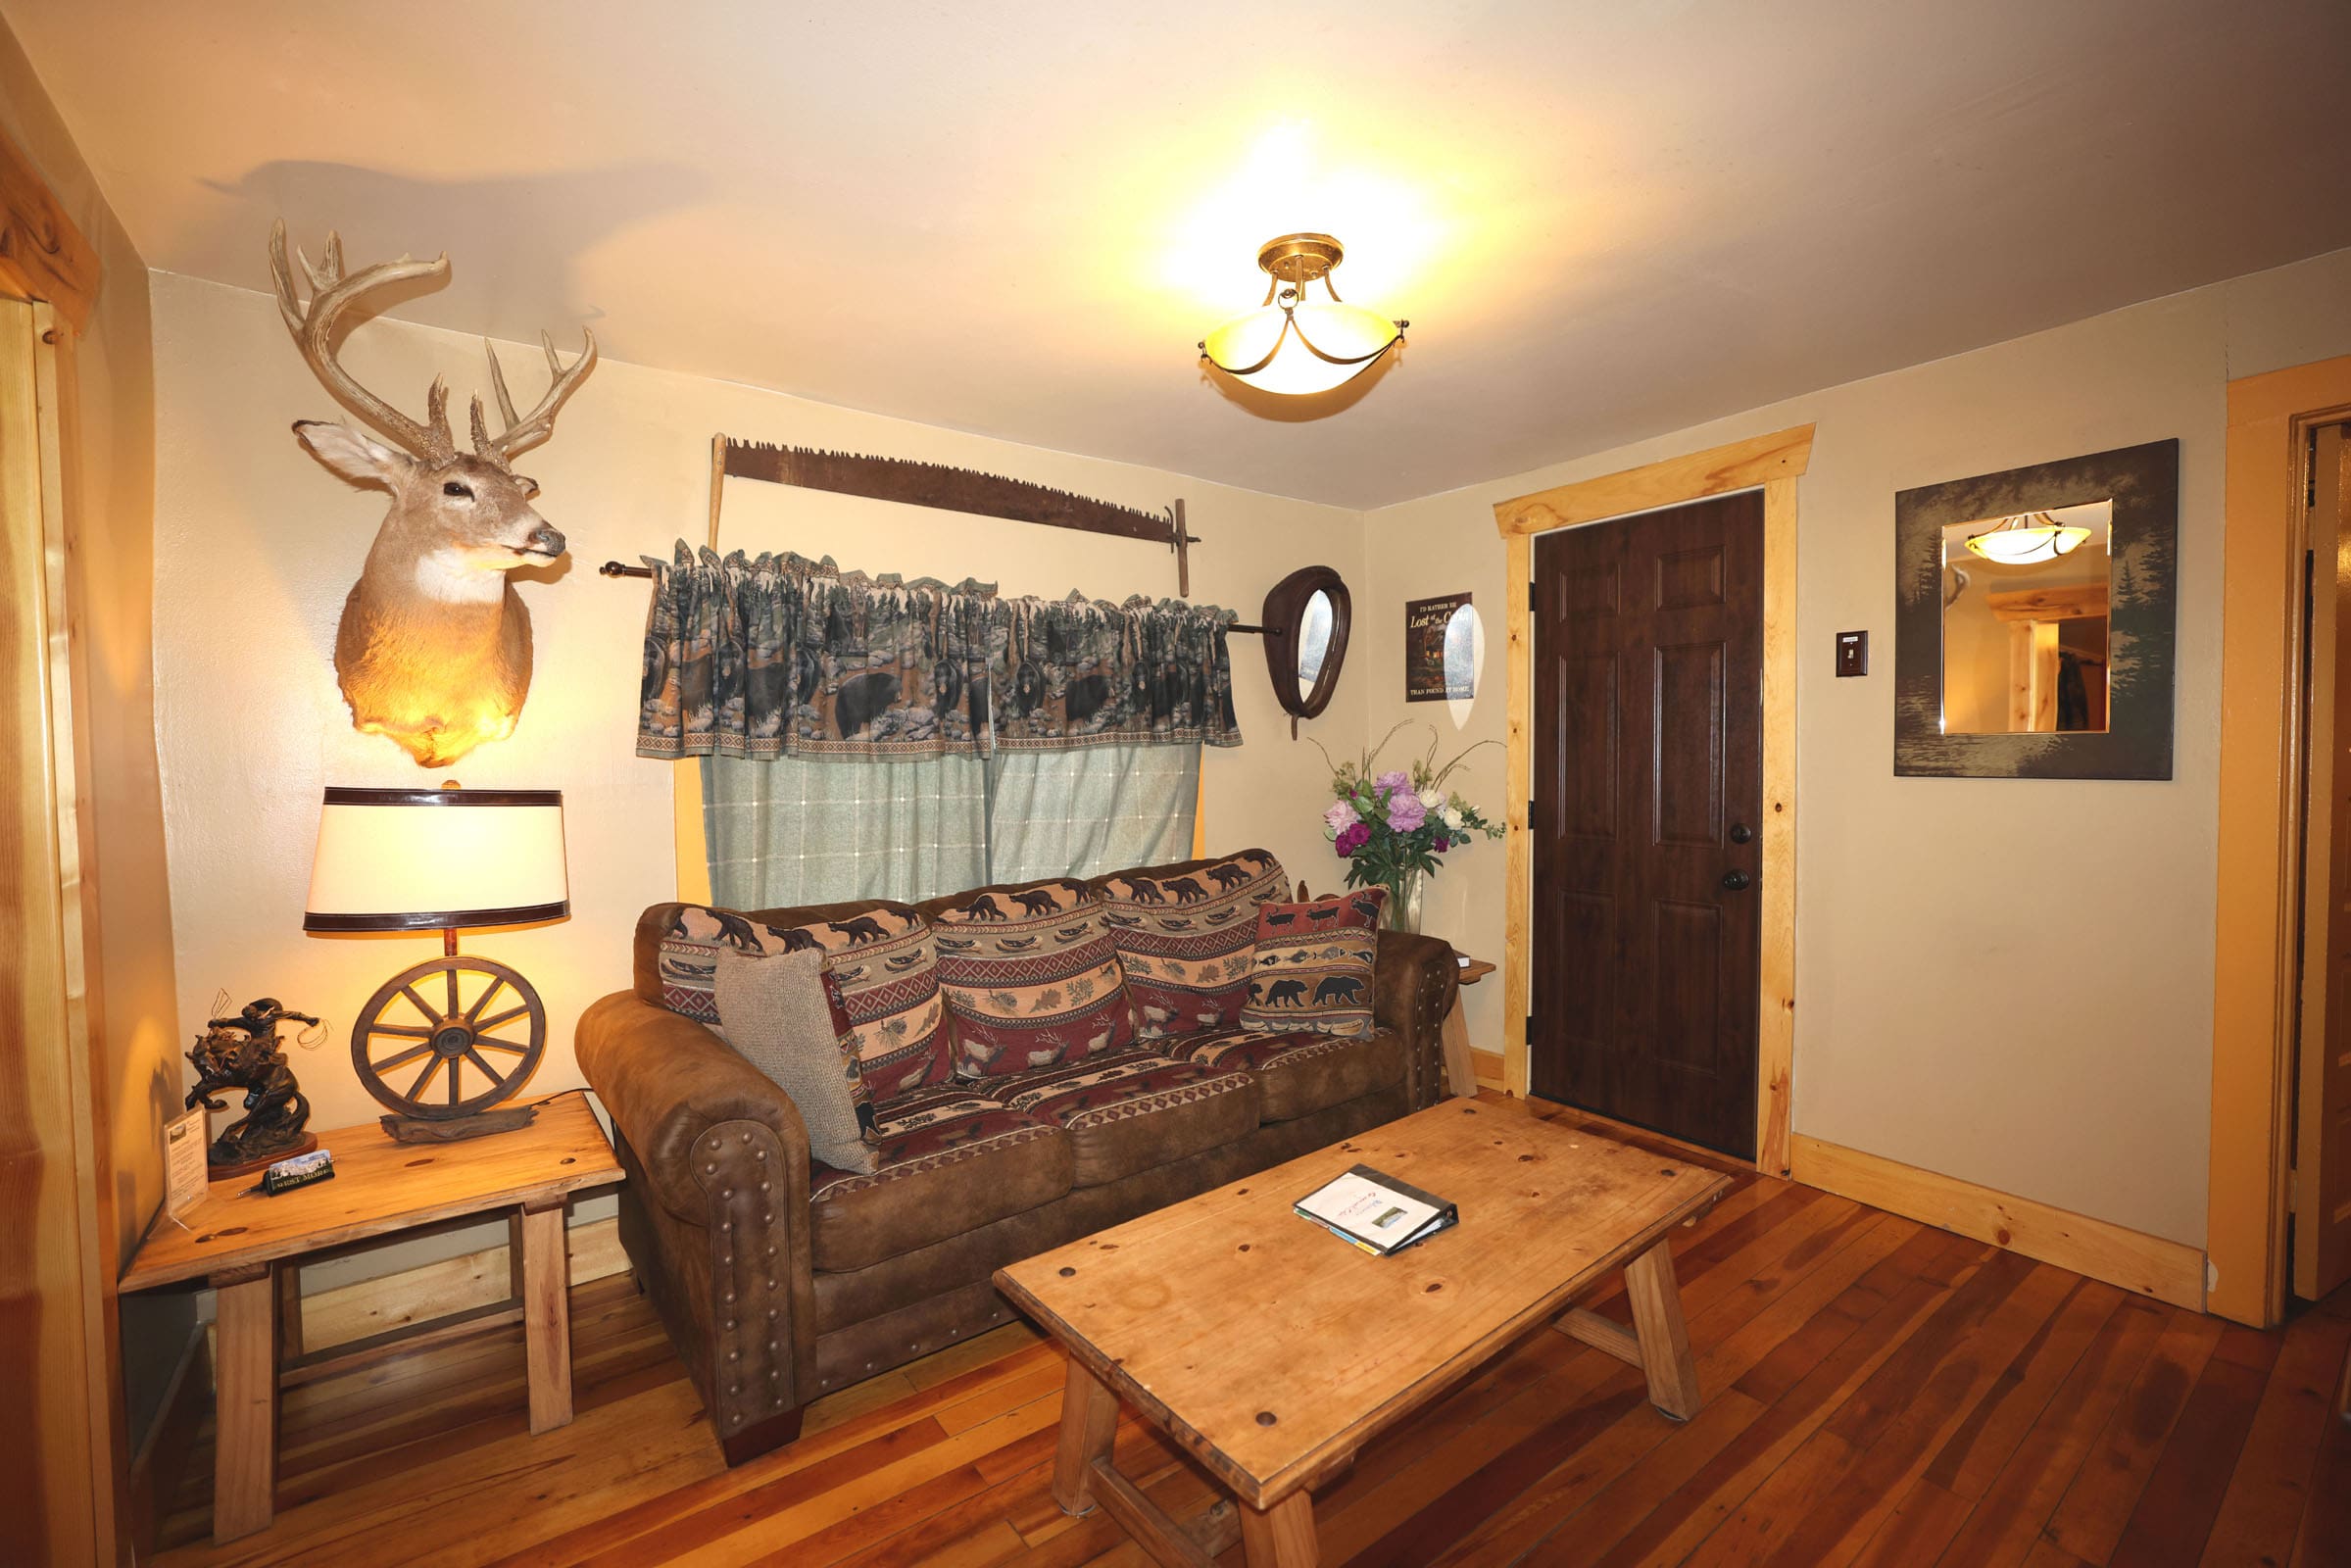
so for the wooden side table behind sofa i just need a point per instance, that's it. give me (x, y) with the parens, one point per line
(247, 1246)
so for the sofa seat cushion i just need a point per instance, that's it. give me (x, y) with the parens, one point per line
(1300, 1071)
(948, 1161)
(1134, 1109)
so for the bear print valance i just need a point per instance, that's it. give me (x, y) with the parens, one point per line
(786, 656)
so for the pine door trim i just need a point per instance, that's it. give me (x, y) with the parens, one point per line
(1772, 463)
(2257, 916)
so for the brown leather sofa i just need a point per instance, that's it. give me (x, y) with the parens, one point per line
(773, 1301)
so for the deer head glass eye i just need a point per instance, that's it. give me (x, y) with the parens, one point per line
(453, 488)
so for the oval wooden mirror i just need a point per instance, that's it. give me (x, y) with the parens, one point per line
(1306, 619)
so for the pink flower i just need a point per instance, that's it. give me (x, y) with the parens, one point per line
(1405, 812)
(1339, 817)
(1352, 838)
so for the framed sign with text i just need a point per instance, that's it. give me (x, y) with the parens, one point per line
(1439, 649)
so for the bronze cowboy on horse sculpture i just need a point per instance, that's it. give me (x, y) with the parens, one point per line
(242, 1053)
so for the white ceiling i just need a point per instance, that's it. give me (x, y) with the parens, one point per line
(1605, 218)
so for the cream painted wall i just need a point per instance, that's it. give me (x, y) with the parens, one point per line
(257, 545)
(110, 447)
(2085, 1084)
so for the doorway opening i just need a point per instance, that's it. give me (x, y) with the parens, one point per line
(2316, 1088)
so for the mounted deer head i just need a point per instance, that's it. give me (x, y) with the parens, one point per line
(434, 645)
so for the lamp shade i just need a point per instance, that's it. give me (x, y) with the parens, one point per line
(424, 860)
(1277, 348)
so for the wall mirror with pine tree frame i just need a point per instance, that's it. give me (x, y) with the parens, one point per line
(2034, 614)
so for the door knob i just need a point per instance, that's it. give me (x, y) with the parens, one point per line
(1735, 881)
(1741, 833)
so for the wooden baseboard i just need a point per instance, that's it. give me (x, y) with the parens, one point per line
(2167, 1270)
(162, 1456)
(1486, 1066)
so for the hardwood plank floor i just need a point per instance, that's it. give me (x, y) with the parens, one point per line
(1878, 1395)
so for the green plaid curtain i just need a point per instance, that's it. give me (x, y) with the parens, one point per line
(794, 831)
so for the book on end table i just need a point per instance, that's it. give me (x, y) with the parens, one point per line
(1375, 1211)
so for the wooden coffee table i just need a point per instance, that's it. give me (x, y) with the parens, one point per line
(247, 1246)
(1273, 1351)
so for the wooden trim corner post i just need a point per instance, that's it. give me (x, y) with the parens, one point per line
(1772, 463)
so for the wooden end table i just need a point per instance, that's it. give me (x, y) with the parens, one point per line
(1272, 1351)
(247, 1246)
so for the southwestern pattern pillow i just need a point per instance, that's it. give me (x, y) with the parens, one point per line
(1186, 942)
(1030, 980)
(1313, 965)
(883, 961)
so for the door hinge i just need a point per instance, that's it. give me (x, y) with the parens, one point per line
(2293, 1188)
(1530, 811)
(1530, 599)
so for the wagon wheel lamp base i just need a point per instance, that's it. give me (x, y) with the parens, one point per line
(442, 1044)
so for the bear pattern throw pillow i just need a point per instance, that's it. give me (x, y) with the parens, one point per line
(1186, 941)
(1313, 962)
(883, 961)
(1030, 980)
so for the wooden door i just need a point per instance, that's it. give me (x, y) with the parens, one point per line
(2322, 1149)
(1648, 793)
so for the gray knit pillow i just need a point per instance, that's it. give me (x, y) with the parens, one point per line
(784, 1015)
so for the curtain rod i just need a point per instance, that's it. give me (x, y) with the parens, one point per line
(614, 569)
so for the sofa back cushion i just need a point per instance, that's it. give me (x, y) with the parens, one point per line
(1185, 936)
(1030, 978)
(879, 955)
(1313, 965)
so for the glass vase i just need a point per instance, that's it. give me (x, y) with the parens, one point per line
(1402, 912)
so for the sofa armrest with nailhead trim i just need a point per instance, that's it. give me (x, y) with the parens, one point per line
(721, 1184)
(1414, 982)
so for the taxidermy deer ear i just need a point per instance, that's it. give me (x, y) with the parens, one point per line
(359, 458)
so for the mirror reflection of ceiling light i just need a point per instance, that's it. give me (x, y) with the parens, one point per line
(1291, 344)
(2027, 538)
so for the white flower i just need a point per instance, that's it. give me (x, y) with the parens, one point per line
(1451, 816)
(1432, 799)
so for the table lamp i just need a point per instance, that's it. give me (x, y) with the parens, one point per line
(442, 1043)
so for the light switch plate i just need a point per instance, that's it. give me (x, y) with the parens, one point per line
(1853, 653)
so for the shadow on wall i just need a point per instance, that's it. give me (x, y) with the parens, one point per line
(513, 243)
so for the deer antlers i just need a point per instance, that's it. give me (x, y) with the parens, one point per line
(333, 293)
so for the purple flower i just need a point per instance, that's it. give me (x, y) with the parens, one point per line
(1443, 844)
(1352, 838)
(1393, 782)
(1405, 812)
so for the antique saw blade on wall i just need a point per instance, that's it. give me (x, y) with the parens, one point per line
(936, 484)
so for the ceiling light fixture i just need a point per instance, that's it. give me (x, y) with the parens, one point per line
(2026, 538)
(1297, 346)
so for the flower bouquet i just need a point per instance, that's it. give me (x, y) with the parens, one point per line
(1392, 828)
